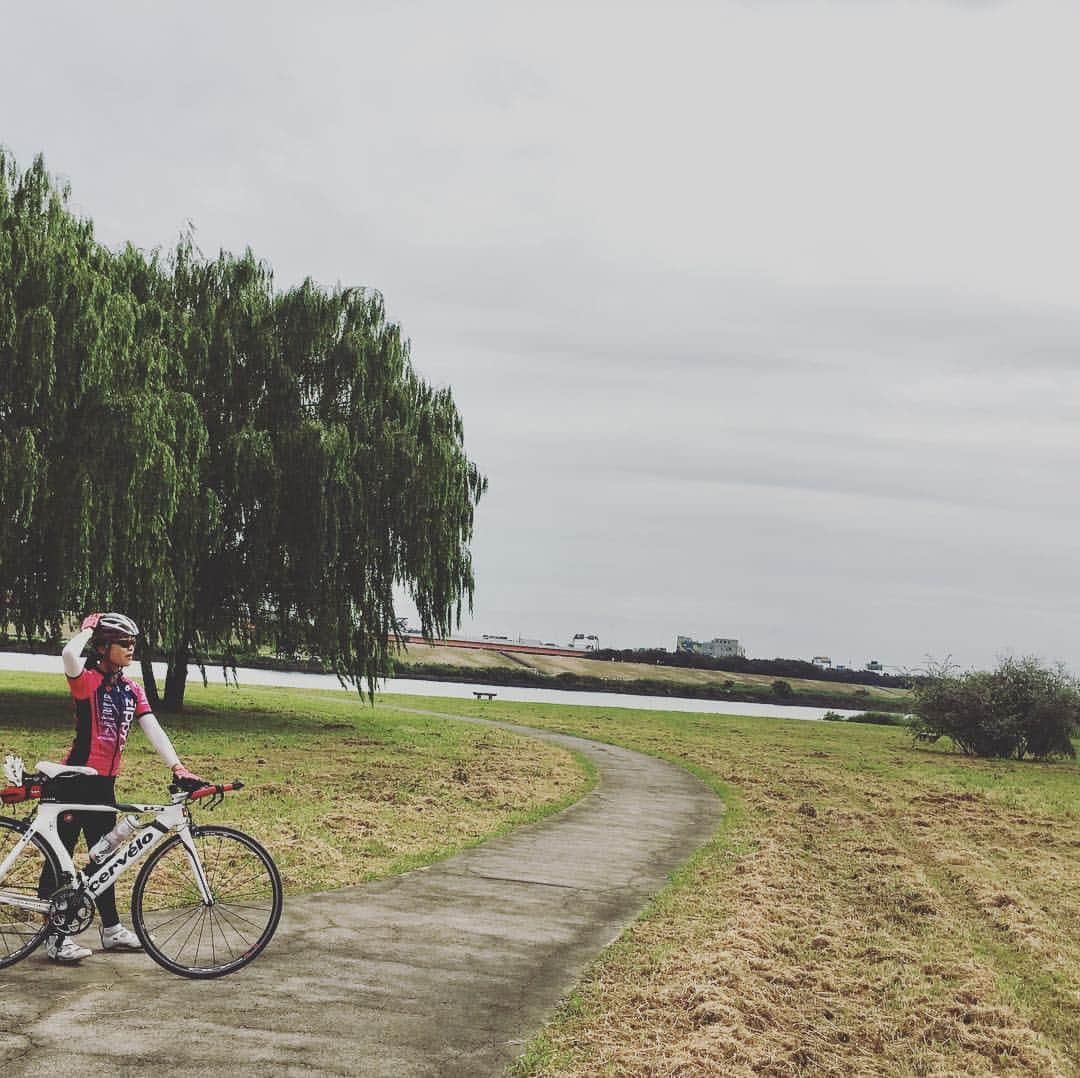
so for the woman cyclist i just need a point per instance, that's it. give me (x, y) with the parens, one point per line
(106, 703)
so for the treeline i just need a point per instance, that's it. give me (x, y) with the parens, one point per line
(231, 465)
(797, 668)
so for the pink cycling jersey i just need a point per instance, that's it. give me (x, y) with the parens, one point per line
(105, 708)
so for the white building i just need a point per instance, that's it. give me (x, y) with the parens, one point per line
(720, 648)
(717, 648)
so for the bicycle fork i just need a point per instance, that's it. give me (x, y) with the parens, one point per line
(197, 867)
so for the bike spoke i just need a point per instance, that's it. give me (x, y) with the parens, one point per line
(182, 916)
(31, 875)
(224, 915)
(203, 940)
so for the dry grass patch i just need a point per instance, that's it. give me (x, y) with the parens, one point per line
(870, 908)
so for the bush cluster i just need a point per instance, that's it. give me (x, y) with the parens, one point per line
(781, 668)
(880, 718)
(1018, 709)
(875, 718)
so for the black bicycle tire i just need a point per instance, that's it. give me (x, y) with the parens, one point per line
(46, 851)
(205, 972)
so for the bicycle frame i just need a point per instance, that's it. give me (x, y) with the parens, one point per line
(96, 878)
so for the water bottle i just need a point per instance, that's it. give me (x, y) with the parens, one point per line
(124, 829)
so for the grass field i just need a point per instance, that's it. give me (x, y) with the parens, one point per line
(338, 791)
(869, 908)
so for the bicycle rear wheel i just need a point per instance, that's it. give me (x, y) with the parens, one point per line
(21, 929)
(186, 935)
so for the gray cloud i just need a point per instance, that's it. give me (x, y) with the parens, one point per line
(762, 317)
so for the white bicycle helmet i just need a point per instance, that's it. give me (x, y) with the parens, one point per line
(112, 627)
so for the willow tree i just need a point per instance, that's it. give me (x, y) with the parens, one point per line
(91, 414)
(233, 465)
(332, 472)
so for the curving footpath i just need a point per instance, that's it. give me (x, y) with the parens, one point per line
(448, 970)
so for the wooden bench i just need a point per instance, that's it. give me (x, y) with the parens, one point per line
(926, 735)
(484, 695)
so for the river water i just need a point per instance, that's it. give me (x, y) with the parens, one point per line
(50, 664)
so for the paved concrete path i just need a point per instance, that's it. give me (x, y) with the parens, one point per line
(448, 970)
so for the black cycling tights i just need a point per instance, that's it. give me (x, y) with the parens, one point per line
(94, 789)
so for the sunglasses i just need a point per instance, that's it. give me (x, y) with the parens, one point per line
(128, 643)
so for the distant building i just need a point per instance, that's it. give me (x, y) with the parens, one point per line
(717, 648)
(822, 660)
(873, 664)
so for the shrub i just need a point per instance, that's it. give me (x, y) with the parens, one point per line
(877, 718)
(881, 718)
(1018, 709)
(782, 689)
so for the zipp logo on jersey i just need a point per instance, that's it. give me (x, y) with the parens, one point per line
(104, 711)
(117, 712)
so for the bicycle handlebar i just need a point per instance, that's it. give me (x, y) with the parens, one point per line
(32, 787)
(218, 790)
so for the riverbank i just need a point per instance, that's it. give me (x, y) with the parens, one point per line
(582, 674)
(484, 667)
(246, 677)
(654, 687)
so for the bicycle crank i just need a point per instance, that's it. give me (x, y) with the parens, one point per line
(71, 910)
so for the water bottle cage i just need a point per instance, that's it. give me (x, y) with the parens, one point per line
(106, 846)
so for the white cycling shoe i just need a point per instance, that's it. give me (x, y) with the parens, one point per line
(65, 950)
(119, 938)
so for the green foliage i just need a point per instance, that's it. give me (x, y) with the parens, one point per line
(232, 465)
(782, 689)
(1019, 709)
(873, 718)
(778, 667)
(880, 718)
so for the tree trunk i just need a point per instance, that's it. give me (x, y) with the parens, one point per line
(150, 684)
(176, 680)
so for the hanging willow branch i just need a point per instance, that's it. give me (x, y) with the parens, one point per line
(233, 465)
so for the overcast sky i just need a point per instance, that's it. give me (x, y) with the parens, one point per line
(762, 317)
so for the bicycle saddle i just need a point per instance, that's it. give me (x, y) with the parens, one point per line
(54, 771)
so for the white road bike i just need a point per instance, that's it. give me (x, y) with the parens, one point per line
(206, 902)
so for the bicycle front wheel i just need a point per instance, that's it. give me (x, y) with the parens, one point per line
(35, 869)
(198, 939)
